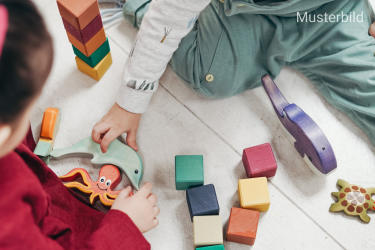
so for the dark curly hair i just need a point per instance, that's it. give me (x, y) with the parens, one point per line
(26, 58)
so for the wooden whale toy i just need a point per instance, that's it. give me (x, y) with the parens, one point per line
(310, 141)
(118, 154)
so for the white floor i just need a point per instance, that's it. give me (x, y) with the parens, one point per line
(181, 122)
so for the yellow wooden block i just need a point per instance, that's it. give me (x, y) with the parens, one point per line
(208, 230)
(98, 71)
(253, 193)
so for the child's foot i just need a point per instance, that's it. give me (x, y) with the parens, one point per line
(140, 207)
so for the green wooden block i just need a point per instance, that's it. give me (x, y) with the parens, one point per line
(95, 57)
(189, 171)
(216, 247)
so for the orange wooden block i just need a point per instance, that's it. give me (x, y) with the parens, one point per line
(242, 226)
(49, 124)
(78, 13)
(92, 45)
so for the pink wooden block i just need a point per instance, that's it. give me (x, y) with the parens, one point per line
(259, 161)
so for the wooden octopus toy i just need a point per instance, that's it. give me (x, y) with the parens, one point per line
(102, 188)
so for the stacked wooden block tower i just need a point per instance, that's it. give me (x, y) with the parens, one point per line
(260, 164)
(84, 27)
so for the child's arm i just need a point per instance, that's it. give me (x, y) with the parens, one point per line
(25, 224)
(117, 231)
(164, 25)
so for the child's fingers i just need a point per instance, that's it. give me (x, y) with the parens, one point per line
(145, 191)
(131, 139)
(125, 193)
(109, 137)
(99, 129)
(152, 199)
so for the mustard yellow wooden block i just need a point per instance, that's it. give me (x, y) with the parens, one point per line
(98, 71)
(208, 230)
(253, 193)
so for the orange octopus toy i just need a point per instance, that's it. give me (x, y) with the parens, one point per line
(109, 178)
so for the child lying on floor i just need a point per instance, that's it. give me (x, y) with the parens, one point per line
(223, 47)
(36, 210)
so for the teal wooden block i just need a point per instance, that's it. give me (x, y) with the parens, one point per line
(216, 247)
(95, 57)
(188, 171)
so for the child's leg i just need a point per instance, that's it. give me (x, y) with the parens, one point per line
(225, 55)
(343, 67)
(222, 55)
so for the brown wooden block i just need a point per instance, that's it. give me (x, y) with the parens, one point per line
(78, 13)
(88, 32)
(91, 46)
(242, 226)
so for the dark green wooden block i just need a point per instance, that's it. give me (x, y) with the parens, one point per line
(216, 247)
(95, 57)
(188, 171)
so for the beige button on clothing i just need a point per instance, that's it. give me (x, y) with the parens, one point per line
(222, 1)
(210, 78)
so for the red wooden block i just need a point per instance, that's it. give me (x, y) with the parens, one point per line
(91, 46)
(78, 13)
(242, 226)
(88, 32)
(259, 161)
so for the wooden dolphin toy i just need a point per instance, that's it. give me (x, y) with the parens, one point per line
(310, 142)
(118, 154)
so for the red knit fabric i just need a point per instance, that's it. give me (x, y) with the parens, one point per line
(38, 212)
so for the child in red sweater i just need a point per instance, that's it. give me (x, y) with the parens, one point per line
(36, 210)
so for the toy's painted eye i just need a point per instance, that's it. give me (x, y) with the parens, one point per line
(108, 183)
(136, 171)
(102, 179)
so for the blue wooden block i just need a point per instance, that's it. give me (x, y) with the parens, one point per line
(202, 200)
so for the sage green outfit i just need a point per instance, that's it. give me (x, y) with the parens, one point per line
(235, 42)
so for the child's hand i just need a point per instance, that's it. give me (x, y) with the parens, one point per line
(113, 124)
(141, 207)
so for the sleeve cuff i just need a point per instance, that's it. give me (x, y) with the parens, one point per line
(118, 227)
(132, 100)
